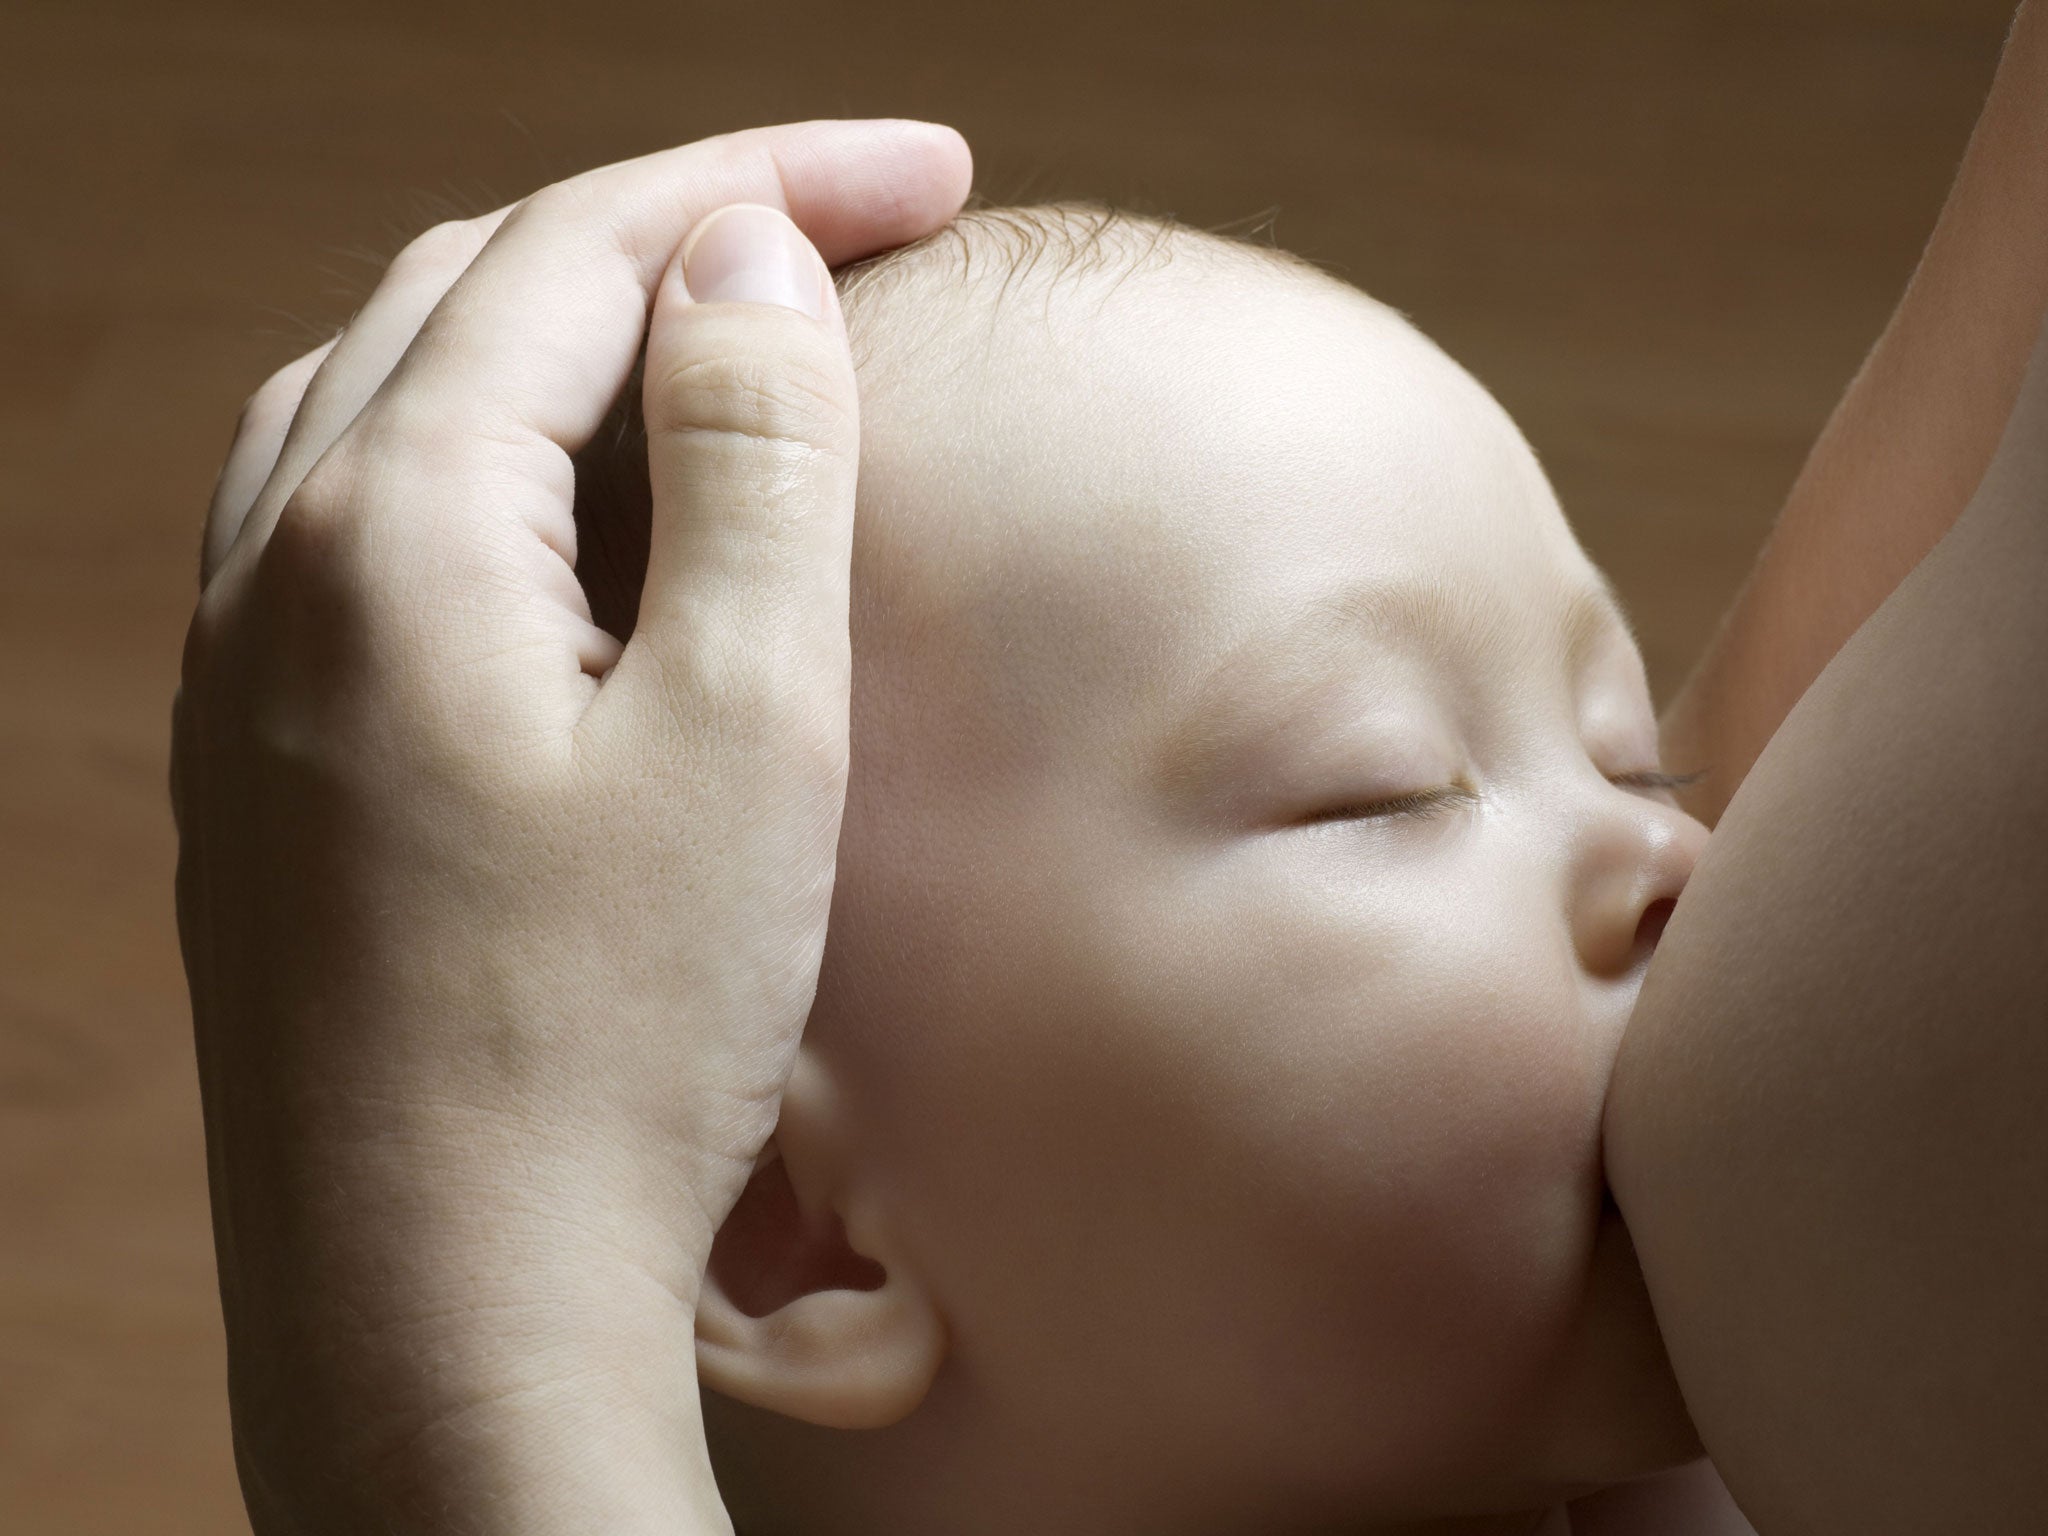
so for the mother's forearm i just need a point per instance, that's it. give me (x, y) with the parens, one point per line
(1905, 448)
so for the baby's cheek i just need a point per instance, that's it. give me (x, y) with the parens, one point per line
(1410, 1096)
(1405, 1030)
(1354, 1151)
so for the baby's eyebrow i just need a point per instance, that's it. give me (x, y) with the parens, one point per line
(1324, 637)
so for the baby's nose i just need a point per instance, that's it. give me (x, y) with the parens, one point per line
(1651, 928)
(1633, 863)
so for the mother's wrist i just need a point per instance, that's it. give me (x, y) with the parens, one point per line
(553, 1461)
(564, 1401)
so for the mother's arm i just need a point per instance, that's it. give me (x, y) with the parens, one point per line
(1828, 1126)
(1905, 448)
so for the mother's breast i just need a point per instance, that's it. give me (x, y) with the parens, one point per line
(1828, 1126)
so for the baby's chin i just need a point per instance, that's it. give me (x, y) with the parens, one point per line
(1618, 1414)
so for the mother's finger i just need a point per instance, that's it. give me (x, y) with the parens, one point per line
(259, 437)
(351, 368)
(528, 349)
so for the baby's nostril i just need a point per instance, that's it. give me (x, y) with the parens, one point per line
(1655, 916)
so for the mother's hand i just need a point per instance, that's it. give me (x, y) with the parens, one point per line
(501, 935)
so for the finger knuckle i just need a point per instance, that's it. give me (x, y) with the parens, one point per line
(569, 201)
(782, 398)
(439, 251)
(317, 523)
(409, 439)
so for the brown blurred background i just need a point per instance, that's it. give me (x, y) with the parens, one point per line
(1662, 232)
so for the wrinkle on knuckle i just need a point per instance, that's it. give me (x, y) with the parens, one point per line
(762, 399)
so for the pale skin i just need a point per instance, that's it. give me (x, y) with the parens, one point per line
(488, 1463)
(1228, 1141)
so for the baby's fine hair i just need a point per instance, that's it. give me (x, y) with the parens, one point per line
(998, 254)
(1050, 241)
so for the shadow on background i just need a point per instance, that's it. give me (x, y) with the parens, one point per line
(1663, 234)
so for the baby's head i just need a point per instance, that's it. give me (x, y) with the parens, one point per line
(1241, 895)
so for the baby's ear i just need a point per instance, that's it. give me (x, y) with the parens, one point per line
(794, 1317)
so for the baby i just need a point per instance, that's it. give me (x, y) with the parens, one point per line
(1254, 845)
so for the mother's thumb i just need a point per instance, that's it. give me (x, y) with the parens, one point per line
(752, 446)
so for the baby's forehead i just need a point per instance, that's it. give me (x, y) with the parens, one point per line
(1091, 456)
(1041, 303)
(1081, 359)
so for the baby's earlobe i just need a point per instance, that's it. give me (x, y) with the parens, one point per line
(793, 1319)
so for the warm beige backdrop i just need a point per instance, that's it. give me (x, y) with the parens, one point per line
(1663, 233)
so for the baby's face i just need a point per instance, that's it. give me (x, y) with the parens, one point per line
(1240, 903)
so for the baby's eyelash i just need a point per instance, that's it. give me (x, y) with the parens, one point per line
(1426, 803)
(1656, 778)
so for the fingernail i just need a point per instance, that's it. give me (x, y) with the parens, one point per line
(748, 253)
